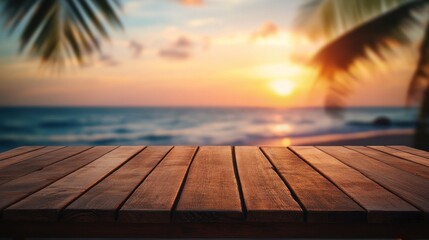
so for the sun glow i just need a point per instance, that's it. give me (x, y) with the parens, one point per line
(283, 87)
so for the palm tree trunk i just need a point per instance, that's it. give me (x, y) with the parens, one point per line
(421, 138)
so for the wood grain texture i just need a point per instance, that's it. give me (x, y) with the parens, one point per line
(46, 204)
(382, 205)
(412, 188)
(323, 201)
(408, 166)
(18, 151)
(407, 156)
(19, 188)
(210, 193)
(266, 196)
(27, 156)
(102, 201)
(152, 201)
(411, 150)
(19, 169)
(250, 192)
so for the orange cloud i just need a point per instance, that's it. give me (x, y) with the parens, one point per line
(191, 2)
(173, 53)
(179, 50)
(269, 29)
(183, 42)
(136, 47)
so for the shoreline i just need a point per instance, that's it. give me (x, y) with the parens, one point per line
(382, 137)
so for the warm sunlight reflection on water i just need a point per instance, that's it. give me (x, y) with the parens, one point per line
(286, 142)
(281, 128)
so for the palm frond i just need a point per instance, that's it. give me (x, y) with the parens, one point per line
(374, 36)
(56, 31)
(377, 35)
(328, 18)
(18, 9)
(420, 80)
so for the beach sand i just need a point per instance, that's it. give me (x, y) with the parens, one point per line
(386, 137)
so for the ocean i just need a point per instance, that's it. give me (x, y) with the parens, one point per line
(183, 126)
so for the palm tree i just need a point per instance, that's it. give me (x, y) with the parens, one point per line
(60, 31)
(360, 29)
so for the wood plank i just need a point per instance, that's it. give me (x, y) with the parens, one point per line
(411, 150)
(411, 188)
(46, 204)
(27, 156)
(20, 169)
(407, 156)
(266, 196)
(18, 151)
(19, 188)
(323, 201)
(103, 200)
(153, 200)
(411, 167)
(382, 205)
(210, 193)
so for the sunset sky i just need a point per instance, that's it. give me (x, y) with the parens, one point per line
(193, 53)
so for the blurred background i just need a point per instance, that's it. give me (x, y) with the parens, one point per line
(214, 72)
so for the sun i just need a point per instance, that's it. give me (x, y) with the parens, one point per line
(283, 87)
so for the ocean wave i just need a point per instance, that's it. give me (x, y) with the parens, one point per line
(122, 130)
(393, 123)
(147, 126)
(69, 123)
(60, 124)
(15, 129)
(274, 121)
(153, 137)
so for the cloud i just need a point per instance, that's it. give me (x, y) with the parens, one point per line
(136, 47)
(108, 60)
(192, 3)
(173, 53)
(183, 42)
(178, 50)
(267, 30)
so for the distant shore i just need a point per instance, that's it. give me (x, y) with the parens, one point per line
(384, 137)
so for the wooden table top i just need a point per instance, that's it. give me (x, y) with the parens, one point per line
(214, 186)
